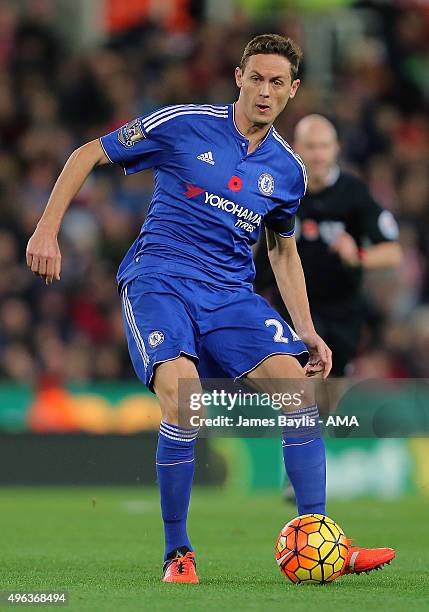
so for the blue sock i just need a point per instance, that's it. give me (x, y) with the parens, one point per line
(305, 460)
(175, 470)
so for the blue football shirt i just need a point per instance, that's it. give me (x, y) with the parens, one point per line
(211, 197)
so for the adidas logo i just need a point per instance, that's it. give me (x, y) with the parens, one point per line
(207, 157)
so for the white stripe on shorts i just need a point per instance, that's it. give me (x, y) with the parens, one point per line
(133, 327)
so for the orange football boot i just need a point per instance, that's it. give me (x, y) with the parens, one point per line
(181, 569)
(360, 560)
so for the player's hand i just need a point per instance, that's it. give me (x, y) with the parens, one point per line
(346, 248)
(43, 254)
(320, 361)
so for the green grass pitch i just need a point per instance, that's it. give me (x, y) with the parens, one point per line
(104, 546)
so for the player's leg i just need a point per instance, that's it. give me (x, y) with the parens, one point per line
(163, 347)
(241, 340)
(175, 469)
(246, 337)
(302, 443)
(304, 457)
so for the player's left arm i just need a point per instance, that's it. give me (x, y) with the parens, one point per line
(287, 268)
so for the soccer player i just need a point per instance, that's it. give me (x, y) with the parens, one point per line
(221, 171)
(342, 231)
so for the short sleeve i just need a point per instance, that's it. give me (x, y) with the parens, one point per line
(376, 223)
(140, 144)
(281, 219)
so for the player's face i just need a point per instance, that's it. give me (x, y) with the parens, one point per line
(318, 148)
(265, 87)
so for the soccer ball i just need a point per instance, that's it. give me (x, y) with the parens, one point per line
(311, 548)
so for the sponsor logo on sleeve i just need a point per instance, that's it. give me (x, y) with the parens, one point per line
(131, 133)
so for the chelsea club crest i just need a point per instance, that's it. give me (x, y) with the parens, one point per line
(155, 338)
(266, 184)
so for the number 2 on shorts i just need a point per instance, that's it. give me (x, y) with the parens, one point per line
(278, 336)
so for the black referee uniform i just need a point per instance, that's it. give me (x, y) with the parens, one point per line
(334, 289)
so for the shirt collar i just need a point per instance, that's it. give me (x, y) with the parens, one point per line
(236, 131)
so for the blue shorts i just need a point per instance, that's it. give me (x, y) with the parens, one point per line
(226, 332)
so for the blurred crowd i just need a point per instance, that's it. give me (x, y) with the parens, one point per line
(53, 99)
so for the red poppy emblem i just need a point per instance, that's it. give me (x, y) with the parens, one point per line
(235, 183)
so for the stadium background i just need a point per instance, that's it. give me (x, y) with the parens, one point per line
(71, 71)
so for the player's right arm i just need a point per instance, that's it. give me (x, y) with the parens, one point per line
(145, 142)
(43, 253)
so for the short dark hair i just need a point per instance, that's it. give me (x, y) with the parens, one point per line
(274, 44)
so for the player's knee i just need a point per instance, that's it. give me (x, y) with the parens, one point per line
(166, 390)
(283, 378)
(169, 377)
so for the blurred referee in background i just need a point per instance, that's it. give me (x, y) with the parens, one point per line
(340, 231)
